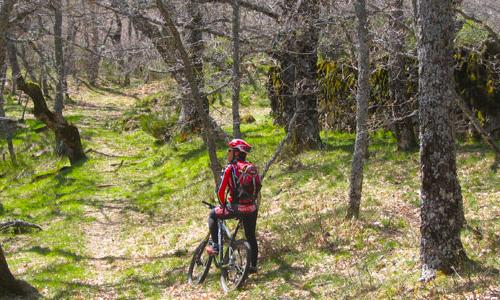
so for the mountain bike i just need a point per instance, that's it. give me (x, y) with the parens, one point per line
(233, 260)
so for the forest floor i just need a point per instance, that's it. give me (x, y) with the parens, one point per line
(123, 224)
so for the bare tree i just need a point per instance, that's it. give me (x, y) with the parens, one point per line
(363, 93)
(92, 41)
(59, 56)
(209, 136)
(236, 69)
(442, 215)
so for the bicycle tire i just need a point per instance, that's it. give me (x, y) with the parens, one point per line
(199, 261)
(230, 265)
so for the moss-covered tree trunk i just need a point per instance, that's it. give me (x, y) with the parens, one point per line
(66, 133)
(303, 46)
(442, 215)
(397, 80)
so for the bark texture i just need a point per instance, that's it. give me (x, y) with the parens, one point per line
(397, 79)
(236, 70)
(363, 93)
(442, 216)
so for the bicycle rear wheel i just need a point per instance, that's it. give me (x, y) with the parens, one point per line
(200, 264)
(235, 265)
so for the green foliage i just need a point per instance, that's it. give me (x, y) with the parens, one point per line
(471, 34)
(157, 127)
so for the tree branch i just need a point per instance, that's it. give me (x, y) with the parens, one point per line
(18, 224)
(247, 5)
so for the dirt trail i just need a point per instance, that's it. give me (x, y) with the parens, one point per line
(103, 246)
(109, 248)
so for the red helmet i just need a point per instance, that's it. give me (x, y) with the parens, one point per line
(240, 144)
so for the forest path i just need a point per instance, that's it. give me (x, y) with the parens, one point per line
(118, 239)
(103, 235)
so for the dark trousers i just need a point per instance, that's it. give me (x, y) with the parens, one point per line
(249, 223)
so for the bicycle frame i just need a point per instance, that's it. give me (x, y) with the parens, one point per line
(224, 232)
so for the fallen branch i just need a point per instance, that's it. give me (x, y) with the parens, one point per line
(18, 224)
(119, 166)
(102, 153)
(101, 186)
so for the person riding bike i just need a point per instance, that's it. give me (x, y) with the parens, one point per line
(238, 203)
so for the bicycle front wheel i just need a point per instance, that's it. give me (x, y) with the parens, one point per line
(235, 265)
(200, 264)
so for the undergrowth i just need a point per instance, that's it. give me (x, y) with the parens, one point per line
(123, 224)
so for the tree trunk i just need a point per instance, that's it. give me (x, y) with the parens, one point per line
(121, 54)
(397, 79)
(283, 96)
(3, 75)
(163, 43)
(305, 133)
(236, 70)
(7, 280)
(64, 132)
(27, 65)
(70, 43)
(282, 78)
(194, 89)
(59, 56)
(442, 215)
(190, 120)
(363, 93)
(92, 41)
(5, 11)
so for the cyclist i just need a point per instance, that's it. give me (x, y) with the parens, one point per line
(237, 203)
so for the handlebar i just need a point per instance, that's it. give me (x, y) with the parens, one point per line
(210, 205)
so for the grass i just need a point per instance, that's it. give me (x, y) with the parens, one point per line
(125, 226)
